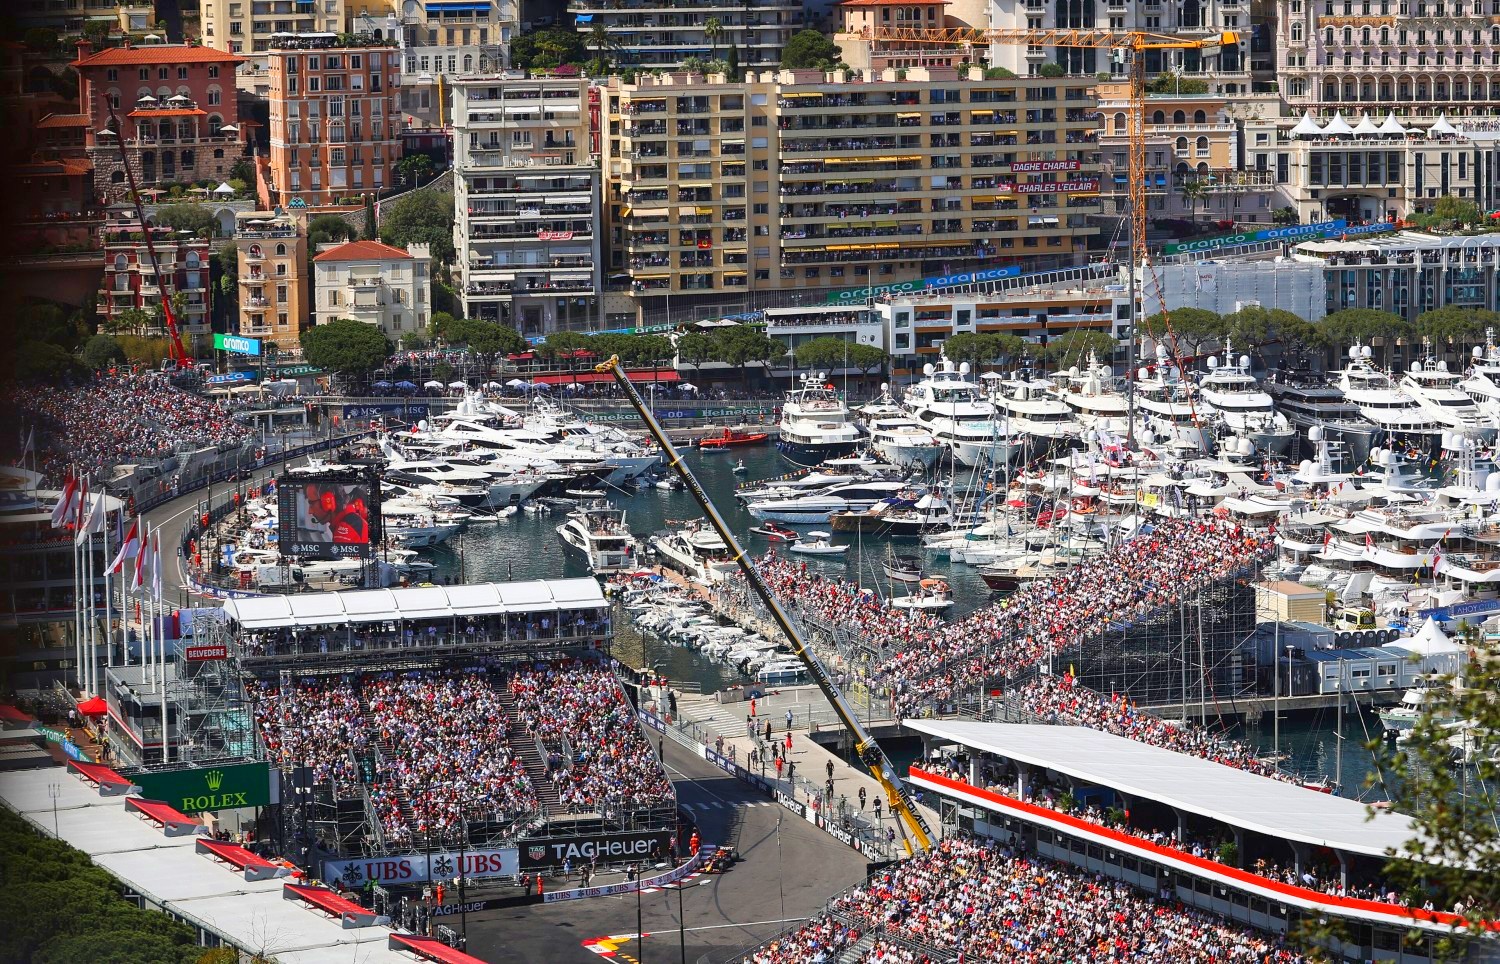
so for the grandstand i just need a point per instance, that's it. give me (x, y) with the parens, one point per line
(439, 717)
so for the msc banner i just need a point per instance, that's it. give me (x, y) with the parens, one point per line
(237, 344)
(852, 295)
(208, 788)
(416, 868)
(382, 410)
(603, 847)
(1295, 232)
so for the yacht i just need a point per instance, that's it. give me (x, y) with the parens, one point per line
(595, 534)
(1092, 394)
(815, 424)
(1167, 406)
(1236, 400)
(1482, 381)
(960, 417)
(898, 517)
(1309, 401)
(1036, 413)
(696, 551)
(897, 437)
(1438, 393)
(816, 507)
(415, 525)
(1381, 401)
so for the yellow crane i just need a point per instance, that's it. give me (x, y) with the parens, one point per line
(915, 832)
(1133, 44)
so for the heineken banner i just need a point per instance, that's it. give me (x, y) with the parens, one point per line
(220, 787)
(414, 868)
(604, 848)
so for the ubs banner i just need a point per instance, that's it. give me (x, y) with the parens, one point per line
(413, 868)
(208, 788)
(605, 848)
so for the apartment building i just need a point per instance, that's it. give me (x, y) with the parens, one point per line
(272, 274)
(861, 46)
(335, 124)
(527, 198)
(800, 179)
(382, 286)
(246, 28)
(650, 34)
(1380, 168)
(1225, 69)
(131, 281)
(1426, 57)
(1408, 272)
(175, 107)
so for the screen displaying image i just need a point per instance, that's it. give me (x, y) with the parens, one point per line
(331, 517)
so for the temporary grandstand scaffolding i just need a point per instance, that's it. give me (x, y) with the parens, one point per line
(213, 718)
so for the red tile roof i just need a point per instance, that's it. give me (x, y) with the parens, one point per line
(362, 251)
(156, 54)
(64, 120)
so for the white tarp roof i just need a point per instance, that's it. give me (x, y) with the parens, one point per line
(423, 602)
(1190, 783)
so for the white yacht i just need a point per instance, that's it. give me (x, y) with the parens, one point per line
(695, 550)
(1482, 381)
(1167, 406)
(816, 507)
(596, 535)
(1235, 398)
(1036, 413)
(1381, 401)
(415, 525)
(960, 417)
(815, 424)
(1093, 395)
(1438, 392)
(897, 437)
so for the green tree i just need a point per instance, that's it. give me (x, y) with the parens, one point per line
(1456, 210)
(351, 348)
(695, 348)
(243, 169)
(603, 44)
(547, 49)
(43, 361)
(1171, 82)
(742, 346)
(983, 348)
(372, 230)
(193, 218)
(868, 358)
(1453, 856)
(564, 346)
(414, 170)
(809, 50)
(1052, 69)
(1077, 345)
(327, 229)
(713, 29)
(101, 352)
(97, 31)
(1343, 328)
(1192, 190)
(425, 217)
(732, 63)
(823, 353)
(1453, 326)
(1184, 330)
(131, 320)
(1254, 325)
(485, 339)
(650, 350)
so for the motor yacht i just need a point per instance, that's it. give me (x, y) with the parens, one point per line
(959, 416)
(595, 534)
(1439, 393)
(696, 551)
(815, 424)
(1235, 399)
(1035, 412)
(816, 507)
(1383, 402)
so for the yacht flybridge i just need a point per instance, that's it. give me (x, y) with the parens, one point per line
(959, 416)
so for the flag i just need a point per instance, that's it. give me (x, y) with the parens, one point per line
(27, 445)
(93, 519)
(62, 512)
(138, 575)
(129, 546)
(1369, 542)
(81, 504)
(156, 565)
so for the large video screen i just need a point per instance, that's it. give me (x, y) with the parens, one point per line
(329, 518)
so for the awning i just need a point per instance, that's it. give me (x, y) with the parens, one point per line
(703, 210)
(438, 6)
(591, 377)
(696, 184)
(350, 914)
(835, 160)
(887, 224)
(584, 18)
(686, 209)
(650, 277)
(430, 949)
(802, 95)
(910, 115)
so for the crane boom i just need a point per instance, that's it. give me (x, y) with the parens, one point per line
(914, 828)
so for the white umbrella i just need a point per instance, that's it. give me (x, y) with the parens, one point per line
(1366, 127)
(992, 376)
(494, 385)
(432, 384)
(1441, 127)
(1307, 127)
(517, 383)
(457, 385)
(1338, 127)
(229, 127)
(687, 386)
(1392, 126)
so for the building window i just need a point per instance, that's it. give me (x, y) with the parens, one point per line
(213, 70)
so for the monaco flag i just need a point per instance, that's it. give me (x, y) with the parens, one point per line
(62, 513)
(138, 577)
(130, 547)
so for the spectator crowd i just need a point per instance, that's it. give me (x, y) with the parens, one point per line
(121, 418)
(985, 901)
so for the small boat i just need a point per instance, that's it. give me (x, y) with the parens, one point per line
(585, 493)
(776, 532)
(902, 568)
(731, 437)
(537, 508)
(931, 595)
(509, 510)
(817, 544)
(667, 485)
(739, 467)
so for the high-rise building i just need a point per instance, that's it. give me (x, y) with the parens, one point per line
(859, 22)
(272, 275)
(723, 193)
(174, 105)
(385, 287)
(527, 198)
(335, 126)
(245, 28)
(131, 281)
(650, 34)
(1226, 69)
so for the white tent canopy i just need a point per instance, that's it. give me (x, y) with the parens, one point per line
(1392, 126)
(433, 384)
(1338, 127)
(1441, 127)
(457, 385)
(1307, 127)
(1366, 127)
(223, 189)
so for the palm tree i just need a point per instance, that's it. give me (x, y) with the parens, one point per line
(714, 31)
(601, 41)
(1192, 190)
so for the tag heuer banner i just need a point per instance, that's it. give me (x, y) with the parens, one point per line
(602, 848)
(219, 787)
(413, 868)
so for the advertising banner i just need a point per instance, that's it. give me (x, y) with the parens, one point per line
(237, 344)
(205, 653)
(854, 295)
(232, 378)
(602, 847)
(379, 411)
(415, 868)
(218, 787)
(1044, 167)
(1295, 232)
(1058, 187)
(324, 517)
(625, 887)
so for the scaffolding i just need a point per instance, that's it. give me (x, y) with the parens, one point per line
(209, 704)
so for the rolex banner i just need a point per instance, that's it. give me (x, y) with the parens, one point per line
(220, 787)
(414, 868)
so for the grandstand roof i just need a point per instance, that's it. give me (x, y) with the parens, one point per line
(423, 602)
(1189, 783)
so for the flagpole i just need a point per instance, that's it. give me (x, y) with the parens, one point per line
(109, 648)
(89, 612)
(147, 671)
(79, 668)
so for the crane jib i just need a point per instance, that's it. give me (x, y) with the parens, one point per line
(870, 753)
